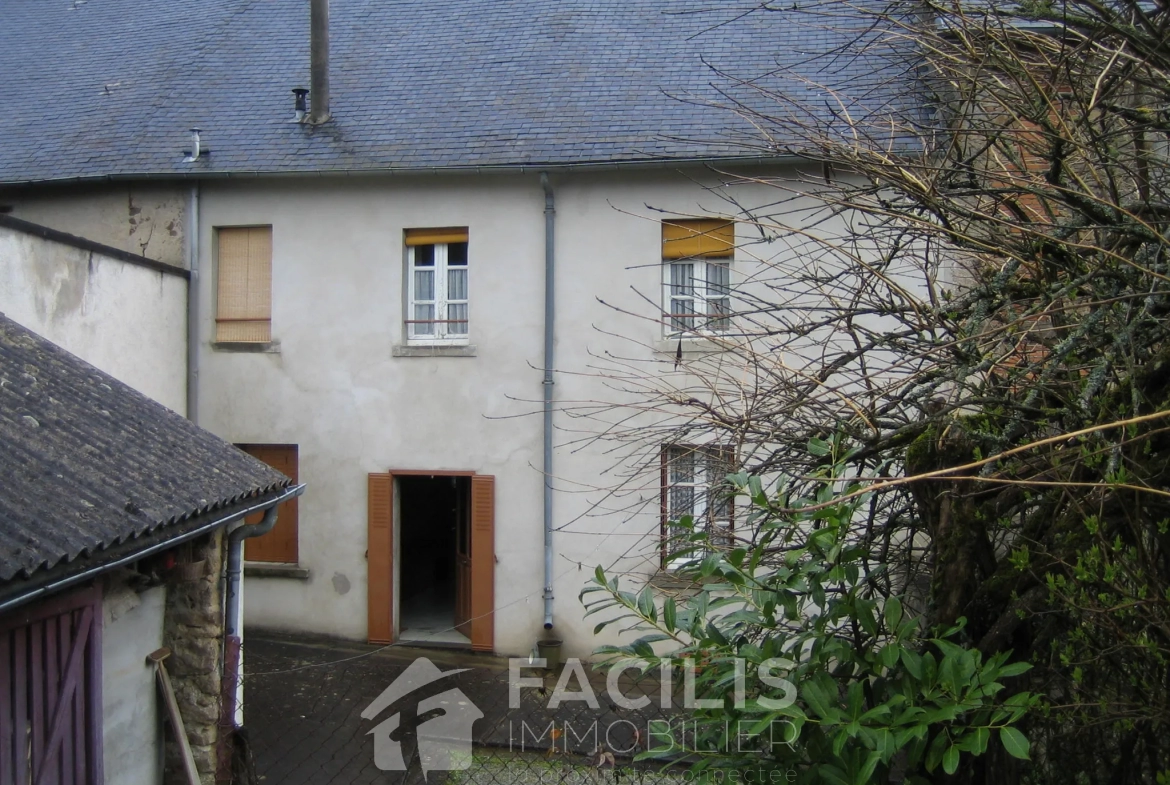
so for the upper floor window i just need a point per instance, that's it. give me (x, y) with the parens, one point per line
(696, 270)
(437, 294)
(244, 284)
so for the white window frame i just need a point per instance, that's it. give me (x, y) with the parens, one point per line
(442, 334)
(710, 466)
(700, 296)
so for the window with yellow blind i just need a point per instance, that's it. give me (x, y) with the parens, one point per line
(436, 286)
(696, 275)
(244, 284)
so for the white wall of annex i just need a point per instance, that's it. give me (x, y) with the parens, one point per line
(127, 320)
(336, 388)
(131, 725)
(143, 218)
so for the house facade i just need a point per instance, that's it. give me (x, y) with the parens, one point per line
(344, 381)
(430, 293)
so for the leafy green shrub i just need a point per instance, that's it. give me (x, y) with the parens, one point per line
(839, 683)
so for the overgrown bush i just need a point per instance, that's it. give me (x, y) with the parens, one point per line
(839, 684)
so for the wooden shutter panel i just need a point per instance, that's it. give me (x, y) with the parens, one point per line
(711, 238)
(380, 558)
(280, 544)
(244, 307)
(483, 562)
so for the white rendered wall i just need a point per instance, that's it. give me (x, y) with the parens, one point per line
(127, 320)
(131, 726)
(336, 388)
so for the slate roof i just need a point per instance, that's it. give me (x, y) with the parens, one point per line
(88, 463)
(99, 88)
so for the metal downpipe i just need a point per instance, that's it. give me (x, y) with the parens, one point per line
(235, 559)
(550, 311)
(193, 305)
(235, 567)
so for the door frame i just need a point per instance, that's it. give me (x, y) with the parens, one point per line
(482, 633)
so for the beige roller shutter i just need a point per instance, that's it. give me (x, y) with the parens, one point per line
(244, 305)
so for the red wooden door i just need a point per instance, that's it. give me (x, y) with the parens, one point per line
(475, 573)
(50, 692)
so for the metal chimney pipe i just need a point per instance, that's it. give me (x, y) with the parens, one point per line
(319, 60)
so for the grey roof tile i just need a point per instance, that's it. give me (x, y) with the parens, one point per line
(89, 463)
(111, 87)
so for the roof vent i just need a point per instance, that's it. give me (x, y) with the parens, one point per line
(197, 149)
(301, 107)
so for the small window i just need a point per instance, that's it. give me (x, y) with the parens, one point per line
(694, 483)
(437, 286)
(244, 285)
(280, 544)
(696, 269)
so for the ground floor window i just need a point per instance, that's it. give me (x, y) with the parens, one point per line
(694, 485)
(281, 544)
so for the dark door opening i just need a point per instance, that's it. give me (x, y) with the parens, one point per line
(434, 576)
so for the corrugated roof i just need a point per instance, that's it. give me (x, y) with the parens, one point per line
(88, 463)
(110, 87)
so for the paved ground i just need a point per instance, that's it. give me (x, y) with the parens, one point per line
(304, 698)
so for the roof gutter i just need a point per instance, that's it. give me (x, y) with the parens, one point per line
(589, 166)
(93, 572)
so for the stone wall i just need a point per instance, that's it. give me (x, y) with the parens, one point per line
(193, 630)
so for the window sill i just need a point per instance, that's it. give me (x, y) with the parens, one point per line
(409, 350)
(272, 347)
(267, 569)
(695, 345)
(672, 581)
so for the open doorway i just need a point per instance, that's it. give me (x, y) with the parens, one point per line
(434, 559)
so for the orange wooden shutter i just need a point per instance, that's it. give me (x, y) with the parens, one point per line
(280, 544)
(483, 562)
(244, 286)
(380, 559)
